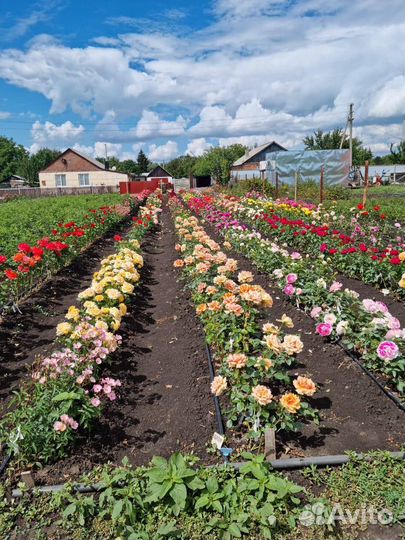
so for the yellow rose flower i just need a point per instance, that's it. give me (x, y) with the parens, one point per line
(73, 313)
(113, 294)
(63, 329)
(127, 288)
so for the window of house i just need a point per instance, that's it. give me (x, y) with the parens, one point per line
(60, 180)
(84, 179)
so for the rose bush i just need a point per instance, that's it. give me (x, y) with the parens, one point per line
(252, 359)
(67, 389)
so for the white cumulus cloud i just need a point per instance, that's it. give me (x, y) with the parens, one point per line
(164, 152)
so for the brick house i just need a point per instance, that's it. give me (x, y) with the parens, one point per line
(249, 165)
(72, 169)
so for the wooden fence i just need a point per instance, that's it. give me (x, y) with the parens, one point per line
(35, 192)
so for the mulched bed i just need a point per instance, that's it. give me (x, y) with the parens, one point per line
(355, 414)
(165, 403)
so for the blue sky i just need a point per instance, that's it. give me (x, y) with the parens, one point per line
(181, 76)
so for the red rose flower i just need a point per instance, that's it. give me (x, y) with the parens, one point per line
(360, 206)
(3, 259)
(24, 247)
(117, 238)
(11, 274)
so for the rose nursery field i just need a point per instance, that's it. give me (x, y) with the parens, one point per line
(200, 365)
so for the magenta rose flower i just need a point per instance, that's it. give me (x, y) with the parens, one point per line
(387, 350)
(324, 329)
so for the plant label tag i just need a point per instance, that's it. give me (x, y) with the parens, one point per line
(256, 425)
(217, 440)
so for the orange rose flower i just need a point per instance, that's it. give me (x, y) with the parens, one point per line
(201, 308)
(304, 386)
(178, 263)
(291, 402)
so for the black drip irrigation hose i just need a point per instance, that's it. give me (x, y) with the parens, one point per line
(218, 413)
(389, 394)
(4, 464)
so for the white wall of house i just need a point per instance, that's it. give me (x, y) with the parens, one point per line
(81, 179)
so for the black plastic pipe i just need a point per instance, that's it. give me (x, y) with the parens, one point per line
(4, 464)
(218, 413)
(389, 394)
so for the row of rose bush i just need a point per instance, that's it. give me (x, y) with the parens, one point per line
(67, 389)
(362, 245)
(362, 324)
(253, 358)
(30, 265)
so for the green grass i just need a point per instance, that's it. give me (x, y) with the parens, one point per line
(27, 220)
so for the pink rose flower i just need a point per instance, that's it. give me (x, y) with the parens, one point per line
(324, 329)
(289, 289)
(336, 286)
(387, 350)
(291, 278)
(315, 312)
(95, 402)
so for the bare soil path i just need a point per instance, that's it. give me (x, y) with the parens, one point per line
(165, 403)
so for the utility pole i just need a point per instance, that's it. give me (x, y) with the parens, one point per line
(350, 122)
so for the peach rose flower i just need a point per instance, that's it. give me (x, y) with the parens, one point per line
(262, 394)
(291, 402)
(214, 306)
(201, 287)
(178, 263)
(292, 345)
(304, 386)
(237, 360)
(264, 362)
(273, 343)
(234, 308)
(270, 328)
(245, 277)
(219, 385)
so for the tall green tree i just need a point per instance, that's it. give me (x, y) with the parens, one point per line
(182, 166)
(397, 153)
(129, 166)
(330, 140)
(11, 157)
(217, 162)
(31, 165)
(143, 162)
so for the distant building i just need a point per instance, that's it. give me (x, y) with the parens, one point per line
(254, 161)
(74, 169)
(14, 181)
(157, 173)
(385, 173)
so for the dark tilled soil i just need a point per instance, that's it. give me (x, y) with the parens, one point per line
(26, 335)
(165, 403)
(354, 413)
